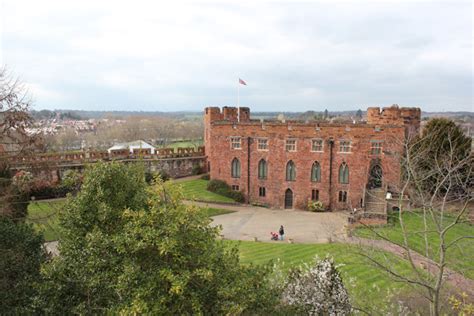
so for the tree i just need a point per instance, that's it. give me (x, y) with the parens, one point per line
(439, 183)
(14, 137)
(129, 248)
(359, 114)
(20, 260)
(317, 290)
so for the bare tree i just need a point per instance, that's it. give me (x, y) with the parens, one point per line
(441, 194)
(14, 137)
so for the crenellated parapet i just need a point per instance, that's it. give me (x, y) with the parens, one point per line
(394, 115)
(228, 113)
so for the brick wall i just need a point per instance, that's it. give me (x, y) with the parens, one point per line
(218, 133)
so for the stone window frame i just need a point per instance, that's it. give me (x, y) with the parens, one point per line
(262, 192)
(343, 147)
(342, 196)
(236, 142)
(316, 174)
(262, 169)
(312, 145)
(259, 140)
(343, 174)
(290, 171)
(235, 168)
(376, 150)
(287, 144)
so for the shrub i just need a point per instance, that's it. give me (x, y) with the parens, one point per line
(214, 185)
(150, 176)
(222, 188)
(197, 169)
(315, 206)
(206, 177)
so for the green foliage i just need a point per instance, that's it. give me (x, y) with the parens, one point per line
(130, 248)
(442, 145)
(20, 260)
(197, 169)
(71, 181)
(222, 188)
(315, 206)
(206, 177)
(150, 176)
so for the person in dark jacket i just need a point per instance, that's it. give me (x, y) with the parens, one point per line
(282, 232)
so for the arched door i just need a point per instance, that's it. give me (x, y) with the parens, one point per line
(375, 177)
(288, 198)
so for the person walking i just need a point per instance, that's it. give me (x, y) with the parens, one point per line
(282, 232)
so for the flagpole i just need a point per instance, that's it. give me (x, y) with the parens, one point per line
(238, 100)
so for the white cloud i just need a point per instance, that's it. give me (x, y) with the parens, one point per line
(169, 55)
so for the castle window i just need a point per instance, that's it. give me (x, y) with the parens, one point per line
(235, 187)
(235, 170)
(375, 147)
(316, 172)
(235, 143)
(262, 144)
(290, 145)
(317, 145)
(315, 195)
(262, 169)
(261, 191)
(344, 173)
(290, 171)
(343, 196)
(345, 146)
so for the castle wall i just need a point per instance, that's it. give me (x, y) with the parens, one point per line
(220, 155)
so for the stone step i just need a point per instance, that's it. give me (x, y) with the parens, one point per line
(375, 207)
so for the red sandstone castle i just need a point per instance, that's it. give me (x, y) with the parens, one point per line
(283, 164)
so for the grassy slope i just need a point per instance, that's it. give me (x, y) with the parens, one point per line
(460, 257)
(366, 277)
(196, 189)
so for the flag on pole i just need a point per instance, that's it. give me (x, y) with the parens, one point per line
(242, 82)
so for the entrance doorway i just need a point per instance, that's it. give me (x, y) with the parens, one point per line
(288, 198)
(375, 177)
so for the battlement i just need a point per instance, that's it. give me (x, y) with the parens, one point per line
(228, 113)
(394, 115)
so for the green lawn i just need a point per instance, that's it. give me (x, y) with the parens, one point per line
(196, 190)
(459, 257)
(366, 277)
(44, 216)
(184, 144)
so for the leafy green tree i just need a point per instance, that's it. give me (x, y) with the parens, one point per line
(20, 260)
(129, 248)
(441, 145)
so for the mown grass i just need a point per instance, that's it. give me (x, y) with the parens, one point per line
(197, 190)
(367, 284)
(185, 144)
(44, 215)
(459, 258)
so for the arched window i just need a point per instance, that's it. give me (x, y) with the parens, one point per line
(262, 169)
(344, 173)
(290, 171)
(235, 168)
(316, 172)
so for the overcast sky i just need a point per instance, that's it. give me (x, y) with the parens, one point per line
(151, 56)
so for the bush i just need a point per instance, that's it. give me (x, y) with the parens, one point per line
(222, 188)
(206, 177)
(197, 169)
(150, 176)
(316, 206)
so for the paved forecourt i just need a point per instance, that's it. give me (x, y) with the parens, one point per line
(248, 222)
